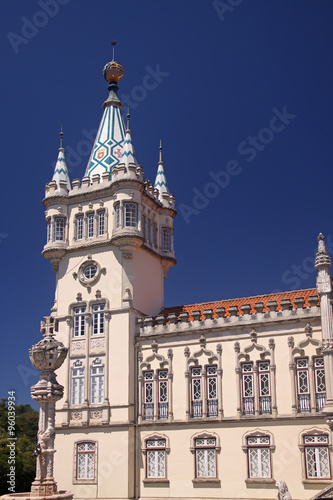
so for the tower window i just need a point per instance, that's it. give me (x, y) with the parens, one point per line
(101, 222)
(97, 382)
(155, 234)
(90, 221)
(166, 239)
(77, 384)
(130, 214)
(59, 229)
(79, 321)
(79, 227)
(117, 212)
(143, 227)
(98, 319)
(48, 231)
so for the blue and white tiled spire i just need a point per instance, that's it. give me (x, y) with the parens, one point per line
(160, 181)
(107, 149)
(128, 155)
(60, 170)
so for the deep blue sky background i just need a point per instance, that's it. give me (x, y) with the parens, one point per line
(226, 73)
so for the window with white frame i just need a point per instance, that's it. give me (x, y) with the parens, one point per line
(155, 459)
(90, 223)
(265, 406)
(148, 395)
(166, 239)
(196, 390)
(259, 457)
(130, 214)
(101, 222)
(59, 228)
(85, 455)
(77, 383)
(320, 385)
(117, 215)
(205, 457)
(303, 385)
(316, 454)
(79, 227)
(212, 407)
(97, 382)
(98, 322)
(163, 394)
(248, 389)
(48, 231)
(79, 321)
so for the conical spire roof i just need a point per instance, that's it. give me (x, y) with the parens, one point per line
(107, 149)
(160, 180)
(322, 257)
(60, 169)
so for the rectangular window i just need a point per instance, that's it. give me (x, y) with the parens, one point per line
(303, 387)
(96, 384)
(205, 457)
(59, 229)
(156, 466)
(101, 222)
(85, 460)
(212, 409)
(98, 319)
(155, 234)
(79, 227)
(90, 222)
(148, 403)
(149, 232)
(196, 386)
(143, 228)
(77, 385)
(163, 394)
(166, 239)
(117, 213)
(130, 214)
(320, 385)
(247, 387)
(48, 231)
(317, 460)
(79, 321)
(259, 457)
(264, 388)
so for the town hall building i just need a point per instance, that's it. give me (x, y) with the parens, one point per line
(219, 400)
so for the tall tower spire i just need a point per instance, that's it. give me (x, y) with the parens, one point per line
(60, 170)
(128, 155)
(107, 149)
(160, 180)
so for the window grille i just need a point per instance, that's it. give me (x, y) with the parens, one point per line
(90, 220)
(212, 410)
(148, 413)
(264, 387)
(97, 382)
(59, 228)
(259, 457)
(130, 214)
(117, 211)
(79, 227)
(205, 457)
(85, 460)
(156, 462)
(196, 384)
(101, 222)
(98, 319)
(320, 385)
(247, 386)
(303, 387)
(317, 460)
(79, 321)
(166, 239)
(163, 394)
(77, 384)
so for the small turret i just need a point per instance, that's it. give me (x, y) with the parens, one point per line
(160, 180)
(60, 175)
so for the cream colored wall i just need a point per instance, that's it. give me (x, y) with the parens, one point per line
(148, 287)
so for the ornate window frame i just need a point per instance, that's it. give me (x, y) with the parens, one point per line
(245, 447)
(76, 364)
(194, 448)
(156, 436)
(315, 431)
(75, 478)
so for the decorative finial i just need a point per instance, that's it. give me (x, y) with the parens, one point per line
(160, 148)
(61, 138)
(113, 43)
(322, 257)
(128, 118)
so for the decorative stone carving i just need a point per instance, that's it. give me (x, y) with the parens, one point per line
(76, 415)
(283, 492)
(97, 343)
(96, 415)
(78, 345)
(98, 294)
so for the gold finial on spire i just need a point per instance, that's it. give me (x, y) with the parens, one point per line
(113, 71)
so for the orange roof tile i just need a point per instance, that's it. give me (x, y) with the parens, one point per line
(305, 294)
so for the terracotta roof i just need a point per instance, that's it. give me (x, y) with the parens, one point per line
(305, 294)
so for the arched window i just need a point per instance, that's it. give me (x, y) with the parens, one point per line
(155, 448)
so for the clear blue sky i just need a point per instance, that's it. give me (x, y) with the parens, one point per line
(242, 96)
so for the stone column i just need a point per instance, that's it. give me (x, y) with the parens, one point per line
(238, 381)
(324, 288)
(46, 356)
(170, 387)
(271, 345)
(292, 370)
(187, 379)
(219, 382)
